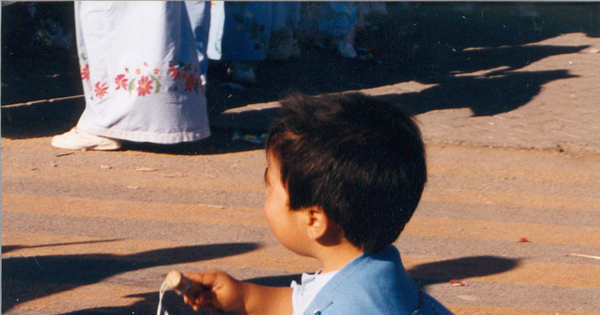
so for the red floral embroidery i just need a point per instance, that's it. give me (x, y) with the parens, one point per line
(144, 86)
(121, 82)
(174, 72)
(85, 72)
(100, 90)
(147, 80)
(190, 83)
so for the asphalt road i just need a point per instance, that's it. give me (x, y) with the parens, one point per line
(96, 232)
(513, 159)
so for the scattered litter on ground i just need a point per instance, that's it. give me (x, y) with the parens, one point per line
(146, 169)
(211, 206)
(172, 175)
(63, 154)
(238, 135)
(107, 167)
(585, 256)
(458, 283)
(523, 240)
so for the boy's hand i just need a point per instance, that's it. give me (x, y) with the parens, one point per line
(222, 294)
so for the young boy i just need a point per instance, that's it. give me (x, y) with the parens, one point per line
(344, 176)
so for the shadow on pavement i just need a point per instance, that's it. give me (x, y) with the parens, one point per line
(461, 268)
(10, 248)
(28, 278)
(423, 275)
(473, 58)
(220, 142)
(501, 92)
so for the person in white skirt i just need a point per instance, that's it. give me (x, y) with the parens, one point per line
(141, 74)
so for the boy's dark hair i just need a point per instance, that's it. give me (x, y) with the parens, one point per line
(359, 158)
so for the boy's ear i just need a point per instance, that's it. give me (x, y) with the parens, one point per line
(321, 229)
(317, 222)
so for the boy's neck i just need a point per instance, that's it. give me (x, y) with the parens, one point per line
(336, 257)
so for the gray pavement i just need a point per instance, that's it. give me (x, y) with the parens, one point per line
(563, 116)
(513, 162)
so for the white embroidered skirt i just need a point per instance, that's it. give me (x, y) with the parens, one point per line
(140, 72)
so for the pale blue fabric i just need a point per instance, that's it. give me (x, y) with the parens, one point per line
(140, 71)
(374, 284)
(199, 13)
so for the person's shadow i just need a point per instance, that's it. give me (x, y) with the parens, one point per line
(473, 60)
(28, 278)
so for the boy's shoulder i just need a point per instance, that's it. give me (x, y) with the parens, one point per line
(374, 284)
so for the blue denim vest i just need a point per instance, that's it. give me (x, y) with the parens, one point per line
(374, 284)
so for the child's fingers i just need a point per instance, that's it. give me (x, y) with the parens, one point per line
(203, 300)
(201, 303)
(191, 303)
(206, 298)
(206, 278)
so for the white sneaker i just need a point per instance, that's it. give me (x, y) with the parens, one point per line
(79, 140)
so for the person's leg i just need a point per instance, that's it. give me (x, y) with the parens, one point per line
(76, 139)
(199, 13)
(144, 81)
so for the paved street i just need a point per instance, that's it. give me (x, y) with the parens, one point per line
(511, 118)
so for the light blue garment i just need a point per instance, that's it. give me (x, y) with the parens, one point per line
(215, 32)
(140, 72)
(374, 284)
(240, 31)
(199, 13)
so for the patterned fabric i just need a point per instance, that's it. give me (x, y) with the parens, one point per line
(140, 71)
(240, 31)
